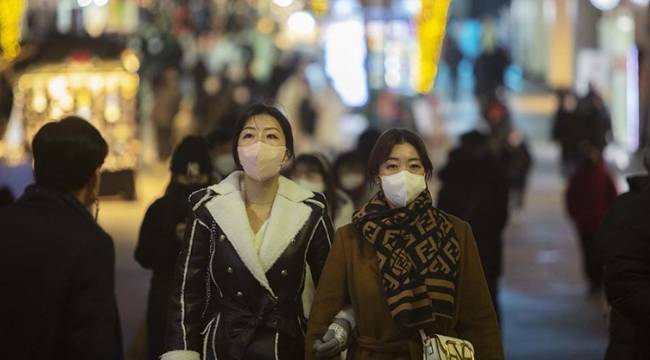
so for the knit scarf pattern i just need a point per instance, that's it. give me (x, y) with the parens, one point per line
(418, 255)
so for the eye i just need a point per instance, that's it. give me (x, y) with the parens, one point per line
(247, 136)
(391, 166)
(272, 136)
(416, 166)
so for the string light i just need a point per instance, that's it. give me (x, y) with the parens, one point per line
(11, 13)
(431, 23)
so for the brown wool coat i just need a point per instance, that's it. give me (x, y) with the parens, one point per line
(351, 276)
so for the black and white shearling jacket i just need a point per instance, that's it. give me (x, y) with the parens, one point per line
(228, 301)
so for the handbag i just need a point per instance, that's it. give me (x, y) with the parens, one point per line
(440, 347)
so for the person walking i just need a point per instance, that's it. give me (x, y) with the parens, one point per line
(250, 241)
(162, 231)
(589, 195)
(404, 266)
(566, 130)
(625, 237)
(57, 265)
(474, 187)
(312, 171)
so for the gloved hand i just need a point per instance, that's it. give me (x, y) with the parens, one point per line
(335, 340)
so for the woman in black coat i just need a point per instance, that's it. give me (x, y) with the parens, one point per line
(475, 188)
(250, 241)
(161, 234)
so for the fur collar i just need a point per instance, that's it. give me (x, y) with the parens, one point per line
(288, 215)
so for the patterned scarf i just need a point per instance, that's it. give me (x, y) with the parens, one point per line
(418, 254)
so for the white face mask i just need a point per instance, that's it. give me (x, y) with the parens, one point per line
(261, 161)
(224, 164)
(352, 181)
(314, 186)
(403, 187)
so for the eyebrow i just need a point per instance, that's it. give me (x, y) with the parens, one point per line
(396, 159)
(249, 127)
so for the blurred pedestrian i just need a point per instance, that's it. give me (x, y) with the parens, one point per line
(166, 103)
(474, 187)
(625, 237)
(510, 146)
(490, 69)
(387, 265)
(590, 193)
(313, 172)
(250, 240)
(57, 266)
(366, 141)
(566, 130)
(349, 173)
(6, 196)
(163, 229)
(453, 57)
(220, 145)
(595, 121)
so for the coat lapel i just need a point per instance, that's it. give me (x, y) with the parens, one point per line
(288, 215)
(229, 211)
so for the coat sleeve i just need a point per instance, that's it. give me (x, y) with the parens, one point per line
(94, 321)
(477, 320)
(188, 298)
(627, 272)
(320, 244)
(331, 295)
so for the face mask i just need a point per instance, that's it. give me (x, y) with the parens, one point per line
(401, 188)
(314, 186)
(224, 164)
(261, 161)
(352, 181)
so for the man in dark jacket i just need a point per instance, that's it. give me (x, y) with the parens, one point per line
(162, 232)
(56, 263)
(626, 238)
(475, 188)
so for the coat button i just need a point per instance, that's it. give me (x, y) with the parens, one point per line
(229, 270)
(240, 294)
(284, 272)
(222, 237)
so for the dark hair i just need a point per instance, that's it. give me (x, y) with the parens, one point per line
(218, 137)
(367, 141)
(67, 153)
(317, 162)
(646, 158)
(192, 149)
(347, 158)
(385, 145)
(261, 109)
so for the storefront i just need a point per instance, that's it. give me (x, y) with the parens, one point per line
(76, 81)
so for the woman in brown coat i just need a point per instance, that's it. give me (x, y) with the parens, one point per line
(404, 266)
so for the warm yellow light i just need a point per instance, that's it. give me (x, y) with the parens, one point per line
(57, 87)
(431, 24)
(130, 61)
(96, 83)
(129, 86)
(319, 7)
(265, 26)
(39, 102)
(11, 13)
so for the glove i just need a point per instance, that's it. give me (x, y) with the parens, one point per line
(335, 340)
